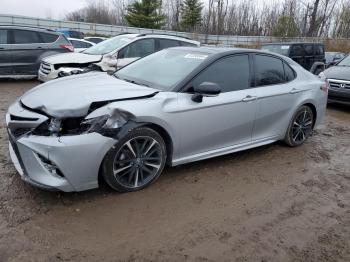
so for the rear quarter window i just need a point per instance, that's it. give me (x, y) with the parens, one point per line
(48, 38)
(289, 73)
(167, 43)
(187, 44)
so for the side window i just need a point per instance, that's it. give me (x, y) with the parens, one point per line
(297, 50)
(79, 44)
(76, 44)
(319, 50)
(3, 36)
(87, 45)
(167, 43)
(187, 44)
(230, 73)
(288, 72)
(25, 37)
(268, 70)
(309, 51)
(48, 38)
(138, 49)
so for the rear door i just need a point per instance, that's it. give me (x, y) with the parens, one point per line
(26, 48)
(222, 121)
(278, 96)
(5, 53)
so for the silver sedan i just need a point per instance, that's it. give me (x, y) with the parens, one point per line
(173, 107)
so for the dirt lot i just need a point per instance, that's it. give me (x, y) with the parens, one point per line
(268, 204)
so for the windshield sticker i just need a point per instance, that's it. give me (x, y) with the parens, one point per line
(285, 47)
(196, 56)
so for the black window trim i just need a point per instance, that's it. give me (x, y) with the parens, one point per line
(186, 86)
(284, 72)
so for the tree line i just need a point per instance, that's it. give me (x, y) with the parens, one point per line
(286, 18)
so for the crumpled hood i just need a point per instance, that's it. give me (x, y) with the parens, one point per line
(338, 72)
(72, 96)
(74, 58)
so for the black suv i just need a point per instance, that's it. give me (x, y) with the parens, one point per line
(22, 48)
(311, 56)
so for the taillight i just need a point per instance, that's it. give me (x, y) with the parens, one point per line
(68, 47)
(325, 86)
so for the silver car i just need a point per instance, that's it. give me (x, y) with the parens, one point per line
(109, 55)
(173, 107)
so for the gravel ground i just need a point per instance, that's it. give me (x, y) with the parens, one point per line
(272, 203)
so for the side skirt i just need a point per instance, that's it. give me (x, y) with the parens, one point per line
(225, 150)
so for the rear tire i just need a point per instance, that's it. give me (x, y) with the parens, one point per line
(136, 161)
(300, 127)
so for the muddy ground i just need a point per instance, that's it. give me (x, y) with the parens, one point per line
(272, 203)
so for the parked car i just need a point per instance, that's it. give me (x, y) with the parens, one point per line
(338, 77)
(311, 56)
(333, 57)
(80, 44)
(175, 106)
(95, 39)
(22, 48)
(109, 55)
(69, 33)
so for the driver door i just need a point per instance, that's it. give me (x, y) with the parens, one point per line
(222, 121)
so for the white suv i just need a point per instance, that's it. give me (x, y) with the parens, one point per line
(111, 54)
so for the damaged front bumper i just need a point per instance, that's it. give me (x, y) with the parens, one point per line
(66, 163)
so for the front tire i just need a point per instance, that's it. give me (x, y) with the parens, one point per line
(300, 127)
(136, 161)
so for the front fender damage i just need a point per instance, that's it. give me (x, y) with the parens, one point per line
(119, 124)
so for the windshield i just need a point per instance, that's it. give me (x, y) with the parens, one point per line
(108, 46)
(162, 70)
(345, 61)
(279, 49)
(329, 57)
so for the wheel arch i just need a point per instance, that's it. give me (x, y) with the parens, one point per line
(167, 139)
(314, 111)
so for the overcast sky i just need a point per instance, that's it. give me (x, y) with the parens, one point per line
(55, 9)
(40, 8)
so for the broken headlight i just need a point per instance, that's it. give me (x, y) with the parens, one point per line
(105, 122)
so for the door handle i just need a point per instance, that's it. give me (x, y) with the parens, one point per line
(294, 91)
(249, 98)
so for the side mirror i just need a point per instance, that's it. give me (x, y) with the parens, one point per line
(205, 89)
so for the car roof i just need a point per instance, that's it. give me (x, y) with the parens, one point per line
(33, 28)
(293, 43)
(164, 36)
(224, 51)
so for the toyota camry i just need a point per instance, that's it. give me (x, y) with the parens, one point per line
(176, 106)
